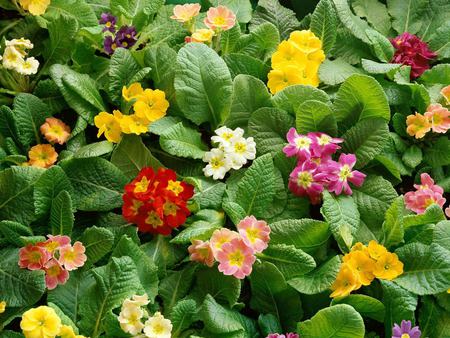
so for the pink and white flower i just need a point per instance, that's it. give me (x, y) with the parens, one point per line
(201, 252)
(55, 274)
(299, 145)
(72, 257)
(220, 18)
(254, 233)
(420, 200)
(343, 174)
(236, 259)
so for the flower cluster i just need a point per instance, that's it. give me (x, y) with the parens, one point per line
(218, 19)
(235, 251)
(156, 202)
(362, 265)
(296, 61)
(14, 57)
(405, 330)
(411, 51)
(315, 170)
(44, 322)
(287, 335)
(149, 106)
(436, 118)
(125, 37)
(35, 7)
(56, 256)
(426, 194)
(232, 152)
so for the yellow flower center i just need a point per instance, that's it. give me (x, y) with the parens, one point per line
(34, 256)
(70, 256)
(240, 147)
(405, 335)
(142, 185)
(113, 46)
(53, 271)
(153, 219)
(302, 142)
(387, 266)
(108, 24)
(216, 163)
(136, 205)
(252, 234)
(236, 258)
(304, 179)
(345, 173)
(219, 21)
(175, 187)
(227, 136)
(158, 328)
(170, 209)
(324, 140)
(52, 246)
(56, 129)
(125, 44)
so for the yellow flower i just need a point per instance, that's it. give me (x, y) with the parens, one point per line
(42, 155)
(282, 77)
(359, 247)
(133, 124)
(306, 41)
(152, 105)
(417, 125)
(346, 281)
(202, 35)
(109, 124)
(132, 92)
(361, 262)
(40, 322)
(67, 332)
(35, 7)
(2, 306)
(376, 251)
(288, 54)
(388, 266)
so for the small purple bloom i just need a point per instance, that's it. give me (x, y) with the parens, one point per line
(109, 45)
(299, 145)
(287, 335)
(126, 37)
(109, 21)
(342, 173)
(405, 329)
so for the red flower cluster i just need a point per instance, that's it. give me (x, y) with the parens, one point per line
(411, 51)
(156, 202)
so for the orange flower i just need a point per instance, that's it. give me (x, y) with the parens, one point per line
(55, 130)
(42, 155)
(417, 125)
(185, 13)
(445, 92)
(439, 118)
(220, 18)
(361, 262)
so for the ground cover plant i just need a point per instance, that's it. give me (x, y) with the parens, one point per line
(224, 168)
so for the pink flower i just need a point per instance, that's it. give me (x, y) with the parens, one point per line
(184, 13)
(447, 212)
(201, 252)
(219, 238)
(55, 274)
(220, 18)
(72, 257)
(33, 257)
(236, 259)
(343, 174)
(299, 145)
(445, 92)
(307, 180)
(254, 233)
(287, 335)
(54, 243)
(439, 118)
(428, 183)
(418, 201)
(323, 145)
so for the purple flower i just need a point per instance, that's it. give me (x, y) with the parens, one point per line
(109, 21)
(126, 37)
(405, 329)
(299, 145)
(287, 335)
(109, 45)
(342, 173)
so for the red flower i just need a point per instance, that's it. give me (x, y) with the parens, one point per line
(157, 203)
(411, 51)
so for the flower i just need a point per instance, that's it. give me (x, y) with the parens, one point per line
(130, 319)
(158, 327)
(35, 7)
(28, 67)
(411, 51)
(67, 332)
(405, 330)
(287, 335)
(343, 174)
(346, 281)
(133, 124)
(305, 41)
(220, 237)
(285, 76)
(40, 322)
(42, 155)
(439, 118)
(202, 35)
(224, 135)
(12, 58)
(361, 262)
(218, 164)
(375, 250)
(220, 18)
(109, 45)
(236, 258)
(307, 180)
(388, 266)
(288, 54)
(126, 37)
(53, 243)
(201, 252)
(72, 257)
(185, 13)
(109, 124)
(151, 104)
(323, 145)
(417, 125)
(299, 145)
(240, 150)
(426, 182)
(2, 306)
(33, 257)
(20, 44)
(55, 130)
(426, 194)
(55, 274)
(254, 233)
(134, 91)
(109, 21)
(445, 92)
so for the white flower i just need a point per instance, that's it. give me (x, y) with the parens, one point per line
(141, 300)
(12, 58)
(130, 319)
(28, 67)
(20, 45)
(224, 135)
(218, 164)
(240, 150)
(158, 327)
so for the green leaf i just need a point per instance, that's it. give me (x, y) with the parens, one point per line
(8, 125)
(229, 39)
(381, 45)
(293, 96)
(318, 280)
(438, 154)
(434, 321)
(131, 155)
(241, 8)
(233, 210)
(392, 229)
(406, 14)
(366, 139)
(208, 193)
(203, 84)
(426, 268)
(175, 286)
(271, 294)
(441, 234)
(354, 24)
(183, 315)
(373, 67)
(253, 95)
(16, 199)
(20, 287)
(433, 214)
(183, 141)
(29, 113)
(365, 305)
(243, 64)
(13, 231)
(98, 242)
(339, 321)
(334, 72)
(200, 229)
(324, 24)
(163, 253)
(314, 115)
(95, 149)
(306, 234)
(288, 259)
(61, 216)
(412, 156)
(98, 184)
(260, 43)
(268, 324)
(376, 14)
(438, 42)
(76, 9)
(399, 303)
(114, 283)
(360, 97)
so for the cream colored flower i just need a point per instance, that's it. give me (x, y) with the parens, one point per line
(12, 58)
(158, 327)
(28, 67)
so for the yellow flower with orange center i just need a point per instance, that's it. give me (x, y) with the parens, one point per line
(42, 155)
(109, 124)
(55, 130)
(417, 125)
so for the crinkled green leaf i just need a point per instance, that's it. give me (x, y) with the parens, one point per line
(324, 24)
(334, 72)
(262, 41)
(376, 14)
(183, 141)
(366, 306)
(293, 96)
(61, 216)
(98, 242)
(243, 64)
(406, 14)
(392, 229)
(183, 315)
(314, 115)
(175, 286)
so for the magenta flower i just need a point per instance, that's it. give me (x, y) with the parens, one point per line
(236, 259)
(55, 274)
(412, 51)
(109, 21)
(299, 145)
(287, 335)
(308, 180)
(343, 174)
(405, 330)
(72, 257)
(324, 145)
(254, 233)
